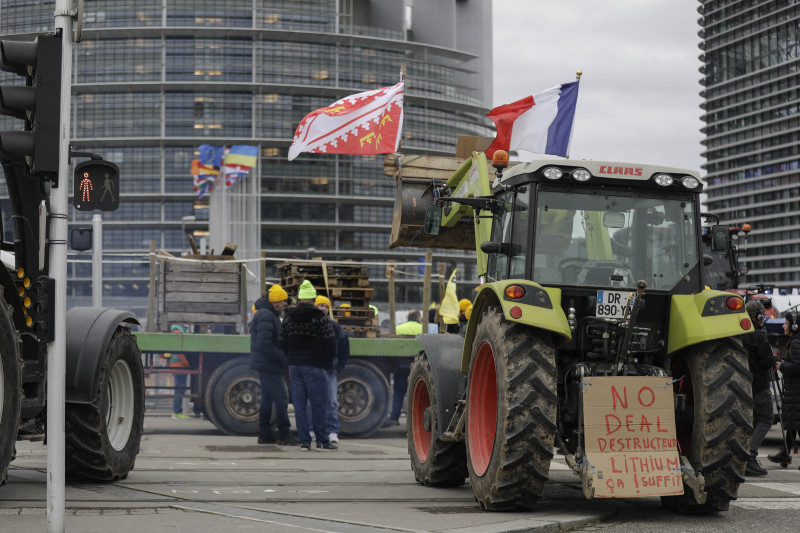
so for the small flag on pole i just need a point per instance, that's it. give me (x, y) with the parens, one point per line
(362, 124)
(243, 155)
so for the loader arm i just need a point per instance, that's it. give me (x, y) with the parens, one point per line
(471, 180)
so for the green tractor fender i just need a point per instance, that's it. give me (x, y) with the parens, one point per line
(538, 307)
(89, 331)
(705, 316)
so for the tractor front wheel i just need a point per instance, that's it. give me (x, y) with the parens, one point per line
(435, 462)
(511, 413)
(715, 426)
(102, 438)
(10, 389)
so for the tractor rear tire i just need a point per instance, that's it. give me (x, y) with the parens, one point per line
(511, 413)
(102, 438)
(233, 397)
(10, 389)
(714, 433)
(435, 462)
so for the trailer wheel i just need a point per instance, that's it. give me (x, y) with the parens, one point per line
(233, 397)
(10, 391)
(511, 413)
(435, 462)
(102, 438)
(363, 394)
(715, 427)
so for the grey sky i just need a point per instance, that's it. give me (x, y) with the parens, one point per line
(639, 98)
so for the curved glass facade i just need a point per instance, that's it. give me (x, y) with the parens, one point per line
(752, 115)
(154, 79)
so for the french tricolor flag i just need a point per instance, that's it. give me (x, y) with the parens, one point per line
(541, 124)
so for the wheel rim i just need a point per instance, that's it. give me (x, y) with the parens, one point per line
(355, 399)
(420, 403)
(121, 405)
(243, 399)
(482, 408)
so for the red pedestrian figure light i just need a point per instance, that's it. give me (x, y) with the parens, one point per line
(86, 188)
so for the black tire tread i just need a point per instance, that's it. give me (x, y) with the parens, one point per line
(525, 433)
(12, 375)
(88, 453)
(446, 465)
(721, 432)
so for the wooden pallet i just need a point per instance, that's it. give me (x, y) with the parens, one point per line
(332, 270)
(362, 331)
(346, 283)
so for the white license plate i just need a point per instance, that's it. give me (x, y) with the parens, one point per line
(611, 304)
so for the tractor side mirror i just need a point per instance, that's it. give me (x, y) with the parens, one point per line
(719, 239)
(433, 219)
(491, 247)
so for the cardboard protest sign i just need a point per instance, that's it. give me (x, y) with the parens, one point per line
(630, 438)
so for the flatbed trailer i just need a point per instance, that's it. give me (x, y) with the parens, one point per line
(227, 391)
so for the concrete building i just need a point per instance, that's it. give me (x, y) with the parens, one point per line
(751, 79)
(154, 79)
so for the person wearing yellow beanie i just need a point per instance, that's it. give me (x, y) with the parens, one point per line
(463, 304)
(268, 358)
(339, 362)
(306, 292)
(310, 343)
(277, 294)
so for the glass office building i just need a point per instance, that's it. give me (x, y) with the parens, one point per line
(154, 79)
(751, 75)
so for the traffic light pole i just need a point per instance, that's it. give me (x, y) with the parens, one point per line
(56, 355)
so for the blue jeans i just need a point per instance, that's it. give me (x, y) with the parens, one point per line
(273, 391)
(180, 388)
(332, 420)
(399, 386)
(310, 384)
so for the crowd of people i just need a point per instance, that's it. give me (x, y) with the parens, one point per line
(763, 365)
(313, 349)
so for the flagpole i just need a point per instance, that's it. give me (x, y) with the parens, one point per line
(578, 74)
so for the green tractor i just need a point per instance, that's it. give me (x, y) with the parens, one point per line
(592, 333)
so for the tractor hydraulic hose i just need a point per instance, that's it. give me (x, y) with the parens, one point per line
(641, 285)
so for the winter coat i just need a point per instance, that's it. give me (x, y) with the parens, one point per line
(790, 368)
(760, 357)
(266, 352)
(342, 347)
(307, 337)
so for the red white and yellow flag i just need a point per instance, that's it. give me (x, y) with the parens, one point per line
(365, 124)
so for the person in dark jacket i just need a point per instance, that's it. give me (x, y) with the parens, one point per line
(269, 360)
(307, 337)
(790, 368)
(339, 362)
(761, 360)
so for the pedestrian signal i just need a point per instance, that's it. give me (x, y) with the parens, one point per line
(96, 186)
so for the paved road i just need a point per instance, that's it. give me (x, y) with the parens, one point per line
(189, 477)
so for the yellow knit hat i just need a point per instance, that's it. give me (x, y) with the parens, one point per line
(277, 294)
(322, 300)
(463, 304)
